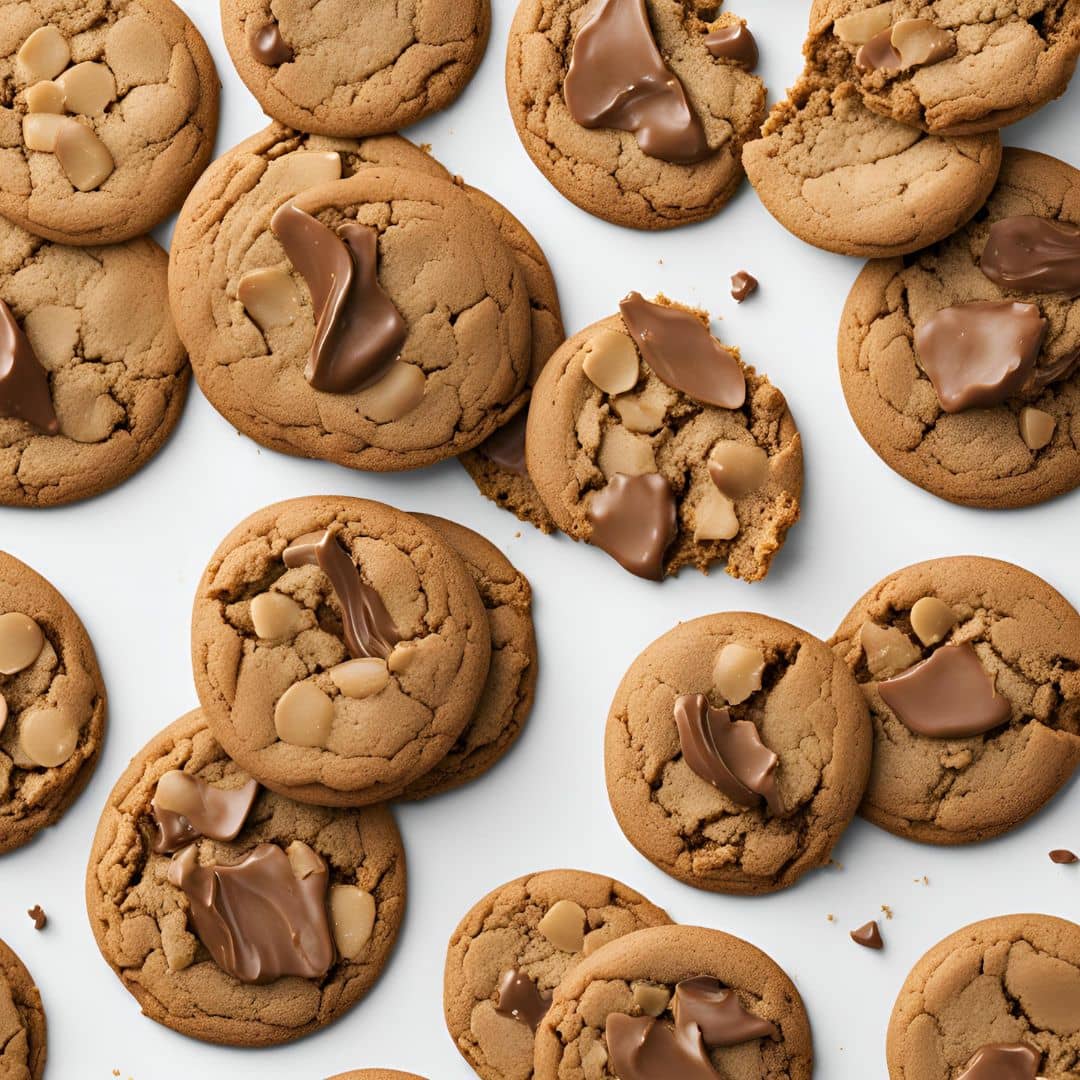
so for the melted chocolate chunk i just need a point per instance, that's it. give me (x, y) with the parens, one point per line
(1033, 254)
(505, 446)
(186, 808)
(734, 43)
(1003, 1061)
(24, 386)
(634, 520)
(719, 1014)
(642, 1048)
(878, 54)
(268, 46)
(742, 285)
(520, 999)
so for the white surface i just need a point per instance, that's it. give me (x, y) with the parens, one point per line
(129, 561)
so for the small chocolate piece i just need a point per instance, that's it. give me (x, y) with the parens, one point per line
(1004, 1061)
(520, 999)
(643, 1048)
(187, 807)
(359, 332)
(921, 42)
(682, 352)
(505, 446)
(37, 913)
(980, 354)
(24, 386)
(267, 45)
(868, 936)
(618, 79)
(742, 285)
(369, 629)
(734, 43)
(878, 54)
(1063, 857)
(949, 696)
(635, 521)
(728, 753)
(718, 1013)
(1033, 254)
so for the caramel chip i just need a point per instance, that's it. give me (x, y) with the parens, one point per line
(88, 88)
(303, 715)
(737, 672)
(932, 619)
(352, 919)
(715, 518)
(738, 468)
(888, 649)
(395, 395)
(21, 642)
(1036, 427)
(920, 42)
(860, 26)
(85, 159)
(45, 97)
(304, 860)
(361, 678)
(41, 129)
(270, 297)
(651, 1000)
(48, 736)
(611, 362)
(44, 54)
(276, 617)
(564, 926)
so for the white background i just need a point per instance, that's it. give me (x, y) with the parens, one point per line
(129, 561)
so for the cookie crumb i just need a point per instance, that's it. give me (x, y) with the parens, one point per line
(924, 880)
(838, 865)
(868, 936)
(426, 147)
(830, 917)
(887, 910)
(517, 535)
(37, 913)
(1062, 856)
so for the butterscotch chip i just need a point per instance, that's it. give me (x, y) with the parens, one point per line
(715, 518)
(43, 55)
(304, 860)
(360, 678)
(641, 412)
(48, 736)
(270, 297)
(611, 362)
(738, 468)
(932, 619)
(919, 41)
(623, 452)
(395, 395)
(860, 26)
(352, 918)
(303, 715)
(42, 129)
(1036, 427)
(888, 649)
(21, 642)
(45, 97)
(737, 672)
(88, 88)
(564, 925)
(85, 159)
(651, 1000)
(276, 616)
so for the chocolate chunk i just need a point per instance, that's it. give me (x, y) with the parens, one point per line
(618, 79)
(186, 808)
(505, 447)
(734, 43)
(1004, 1061)
(268, 46)
(719, 1014)
(878, 54)
(643, 1048)
(742, 285)
(949, 696)
(24, 386)
(1033, 254)
(869, 936)
(634, 520)
(520, 999)
(1062, 856)
(37, 913)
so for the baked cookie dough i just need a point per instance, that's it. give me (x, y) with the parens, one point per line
(231, 913)
(675, 1001)
(511, 683)
(997, 428)
(736, 753)
(847, 180)
(648, 160)
(340, 649)
(1007, 647)
(52, 705)
(335, 67)
(515, 947)
(22, 1021)
(1005, 988)
(376, 1074)
(667, 452)
(109, 116)
(93, 376)
(951, 69)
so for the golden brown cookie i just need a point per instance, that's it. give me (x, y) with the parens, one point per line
(22, 1021)
(376, 1074)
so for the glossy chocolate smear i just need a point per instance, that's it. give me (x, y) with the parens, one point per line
(24, 386)
(734, 43)
(718, 1013)
(682, 352)
(260, 919)
(358, 332)
(949, 696)
(980, 354)
(634, 520)
(369, 629)
(1033, 254)
(642, 1048)
(520, 999)
(1004, 1061)
(618, 79)
(505, 447)
(268, 46)
(187, 807)
(878, 54)
(728, 753)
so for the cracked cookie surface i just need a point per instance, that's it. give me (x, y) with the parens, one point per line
(1013, 979)
(140, 919)
(1027, 636)
(22, 1021)
(808, 712)
(503, 932)
(976, 457)
(358, 69)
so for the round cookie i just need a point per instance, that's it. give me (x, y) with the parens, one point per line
(101, 376)
(603, 170)
(138, 94)
(960, 789)
(52, 704)
(511, 683)
(735, 1011)
(1012, 981)
(977, 456)
(334, 67)
(342, 686)
(22, 1020)
(951, 69)
(144, 920)
(515, 947)
(581, 437)
(376, 1074)
(737, 750)
(847, 180)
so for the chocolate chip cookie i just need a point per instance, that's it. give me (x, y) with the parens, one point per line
(675, 1001)
(52, 704)
(335, 67)
(651, 440)
(970, 669)
(22, 1020)
(959, 363)
(737, 751)
(340, 649)
(636, 110)
(111, 113)
(515, 946)
(231, 913)
(999, 998)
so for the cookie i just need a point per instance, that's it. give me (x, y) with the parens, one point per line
(675, 1001)
(376, 1074)
(847, 180)
(737, 750)
(949, 69)
(232, 914)
(515, 947)
(511, 682)
(112, 111)
(647, 128)
(340, 648)
(1000, 992)
(983, 762)
(993, 429)
(52, 704)
(22, 1020)
(648, 438)
(93, 376)
(334, 67)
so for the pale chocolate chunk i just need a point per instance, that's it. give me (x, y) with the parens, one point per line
(1036, 427)
(352, 918)
(186, 808)
(43, 55)
(718, 1013)
(611, 362)
(920, 43)
(24, 385)
(643, 1048)
(651, 1000)
(520, 999)
(304, 715)
(40, 130)
(738, 468)
(506, 446)
(564, 926)
(1063, 857)
(270, 297)
(860, 26)
(742, 285)
(737, 672)
(399, 390)
(868, 936)
(21, 642)
(715, 518)
(88, 88)
(1003, 1061)
(361, 678)
(1033, 254)
(932, 619)
(734, 43)
(276, 617)
(642, 412)
(48, 736)
(45, 97)
(267, 45)
(84, 158)
(888, 650)
(634, 520)
(878, 54)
